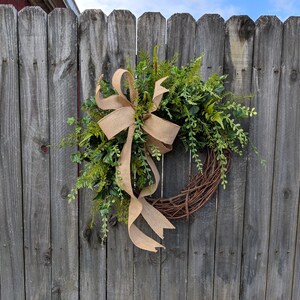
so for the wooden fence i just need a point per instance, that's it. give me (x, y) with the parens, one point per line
(244, 244)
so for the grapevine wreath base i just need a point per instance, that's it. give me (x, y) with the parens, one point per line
(195, 194)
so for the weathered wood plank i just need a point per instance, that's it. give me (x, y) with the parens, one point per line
(11, 235)
(239, 34)
(35, 154)
(210, 43)
(121, 40)
(181, 37)
(151, 32)
(296, 279)
(174, 261)
(286, 180)
(62, 45)
(181, 31)
(121, 49)
(93, 53)
(265, 82)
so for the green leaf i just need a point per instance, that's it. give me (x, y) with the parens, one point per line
(194, 110)
(78, 129)
(71, 121)
(76, 158)
(85, 139)
(86, 119)
(108, 158)
(217, 118)
(210, 109)
(219, 89)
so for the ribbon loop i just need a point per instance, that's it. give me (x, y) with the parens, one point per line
(160, 133)
(116, 83)
(161, 129)
(124, 117)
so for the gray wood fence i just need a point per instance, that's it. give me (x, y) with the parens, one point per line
(244, 244)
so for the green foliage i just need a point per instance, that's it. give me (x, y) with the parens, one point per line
(208, 115)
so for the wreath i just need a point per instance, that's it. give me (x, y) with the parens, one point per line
(133, 120)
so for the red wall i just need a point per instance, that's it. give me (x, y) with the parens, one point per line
(19, 4)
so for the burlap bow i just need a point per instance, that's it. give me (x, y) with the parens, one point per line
(160, 133)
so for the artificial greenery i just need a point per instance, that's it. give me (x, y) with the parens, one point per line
(208, 115)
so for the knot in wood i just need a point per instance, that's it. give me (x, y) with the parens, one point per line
(113, 221)
(47, 257)
(294, 75)
(64, 192)
(87, 233)
(287, 193)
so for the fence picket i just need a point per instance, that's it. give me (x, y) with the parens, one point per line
(152, 32)
(62, 53)
(181, 31)
(93, 63)
(11, 223)
(35, 155)
(209, 43)
(265, 82)
(239, 34)
(285, 198)
(121, 40)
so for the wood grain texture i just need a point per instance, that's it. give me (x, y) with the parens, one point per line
(151, 32)
(35, 154)
(11, 224)
(286, 180)
(121, 40)
(210, 43)
(181, 31)
(93, 54)
(121, 48)
(239, 34)
(296, 279)
(181, 38)
(62, 45)
(265, 82)
(174, 261)
(93, 43)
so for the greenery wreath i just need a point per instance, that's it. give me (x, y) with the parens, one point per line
(155, 97)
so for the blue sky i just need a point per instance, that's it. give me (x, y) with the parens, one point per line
(226, 8)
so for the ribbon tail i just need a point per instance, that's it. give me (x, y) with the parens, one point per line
(156, 220)
(123, 170)
(141, 240)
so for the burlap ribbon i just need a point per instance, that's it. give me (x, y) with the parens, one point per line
(160, 133)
